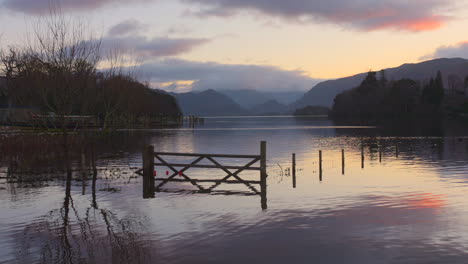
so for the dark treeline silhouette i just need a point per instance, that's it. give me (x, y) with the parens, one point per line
(377, 97)
(115, 99)
(58, 72)
(312, 110)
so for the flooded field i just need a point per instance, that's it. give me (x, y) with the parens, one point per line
(405, 202)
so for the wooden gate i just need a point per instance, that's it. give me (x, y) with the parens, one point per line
(231, 177)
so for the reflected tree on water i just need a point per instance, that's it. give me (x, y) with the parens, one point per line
(93, 234)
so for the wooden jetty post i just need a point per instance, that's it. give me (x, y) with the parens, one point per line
(148, 170)
(263, 175)
(342, 162)
(294, 170)
(320, 165)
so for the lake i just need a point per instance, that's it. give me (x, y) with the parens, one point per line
(405, 205)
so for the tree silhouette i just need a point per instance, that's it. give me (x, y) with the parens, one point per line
(375, 98)
(433, 92)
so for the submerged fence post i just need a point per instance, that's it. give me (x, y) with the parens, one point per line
(148, 169)
(320, 165)
(380, 154)
(294, 169)
(362, 156)
(342, 162)
(263, 175)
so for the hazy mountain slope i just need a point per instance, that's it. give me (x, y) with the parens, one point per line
(269, 107)
(453, 71)
(248, 98)
(285, 97)
(208, 103)
(323, 93)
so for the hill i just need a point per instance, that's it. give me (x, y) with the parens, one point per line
(208, 103)
(377, 99)
(453, 71)
(271, 107)
(249, 98)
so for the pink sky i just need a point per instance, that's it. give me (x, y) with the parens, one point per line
(300, 40)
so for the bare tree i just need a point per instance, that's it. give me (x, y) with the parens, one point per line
(68, 55)
(116, 80)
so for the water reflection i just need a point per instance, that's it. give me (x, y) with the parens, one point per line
(407, 205)
(75, 234)
(373, 229)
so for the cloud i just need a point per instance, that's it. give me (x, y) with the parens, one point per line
(128, 38)
(459, 50)
(182, 74)
(179, 29)
(38, 7)
(367, 15)
(144, 49)
(126, 27)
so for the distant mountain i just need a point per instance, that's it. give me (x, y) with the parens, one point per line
(286, 97)
(249, 98)
(271, 107)
(453, 71)
(208, 103)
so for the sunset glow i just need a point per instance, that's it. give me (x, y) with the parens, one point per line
(305, 40)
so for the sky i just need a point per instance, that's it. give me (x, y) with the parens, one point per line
(180, 45)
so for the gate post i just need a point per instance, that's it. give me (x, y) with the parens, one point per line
(294, 169)
(148, 169)
(263, 175)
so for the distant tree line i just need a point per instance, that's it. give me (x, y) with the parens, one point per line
(377, 97)
(59, 74)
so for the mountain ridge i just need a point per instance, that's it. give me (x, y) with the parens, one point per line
(453, 70)
(207, 103)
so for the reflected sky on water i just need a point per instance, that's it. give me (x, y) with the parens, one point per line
(405, 209)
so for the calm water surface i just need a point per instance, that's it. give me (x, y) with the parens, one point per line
(407, 209)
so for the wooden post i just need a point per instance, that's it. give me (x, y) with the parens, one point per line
(380, 154)
(294, 169)
(342, 162)
(397, 151)
(263, 175)
(320, 165)
(362, 156)
(148, 170)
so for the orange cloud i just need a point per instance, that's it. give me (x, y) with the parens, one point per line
(414, 25)
(425, 24)
(367, 15)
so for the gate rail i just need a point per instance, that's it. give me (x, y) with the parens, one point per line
(149, 156)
